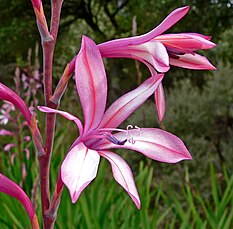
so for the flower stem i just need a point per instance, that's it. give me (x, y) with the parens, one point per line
(44, 161)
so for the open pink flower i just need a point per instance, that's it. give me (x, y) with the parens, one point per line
(161, 51)
(100, 132)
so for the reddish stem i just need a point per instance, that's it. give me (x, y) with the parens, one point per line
(44, 161)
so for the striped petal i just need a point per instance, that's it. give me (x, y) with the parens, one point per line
(192, 61)
(154, 143)
(78, 169)
(185, 41)
(168, 22)
(122, 174)
(123, 107)
(152, 52)
(91, 83)
(64, 114)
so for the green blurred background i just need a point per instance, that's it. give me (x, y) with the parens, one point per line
(191, 194)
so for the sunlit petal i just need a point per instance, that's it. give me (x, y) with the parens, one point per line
(168, 22)
(128, 103)
(122, 174)
(185, 41)
(91, 83)
(64, 114)
(154, 143)
(152, 52)
(78, 169)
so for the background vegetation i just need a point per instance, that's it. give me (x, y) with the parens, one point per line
(191, 194)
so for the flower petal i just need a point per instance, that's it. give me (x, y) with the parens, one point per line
(5, 132)
(122, 174)
(192, 61)
(91, 83)
(78, 169)
(8, 147)
(152, 52)
(154, 143)
(10, 188)
(185, 41)
(10, 96)
(128, 103)
(160, 101)
(168, 22)
(64, 114)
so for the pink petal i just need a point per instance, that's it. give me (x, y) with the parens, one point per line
(10, 96)
(91, 83)
(27, 138)
(78, 169)
(152, 52)
(185, 41)
(201, 35)
(160, 101)
(10, 188)
(122, 174)
(154, 143)
(168, 22)
(128, 103)
(64, 114)
(8, 147)
(4, 132)
(192, 61)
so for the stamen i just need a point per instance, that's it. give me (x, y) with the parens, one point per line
(129, 135)
(114, 140)
(175, 52)
(129, 127)
(130, 130)
(137, 128)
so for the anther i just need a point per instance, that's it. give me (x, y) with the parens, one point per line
(114, 140)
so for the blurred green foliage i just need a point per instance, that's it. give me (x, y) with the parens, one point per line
(104, 204)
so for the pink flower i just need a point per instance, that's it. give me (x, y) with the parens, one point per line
(160, 51)
(80, 165)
